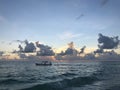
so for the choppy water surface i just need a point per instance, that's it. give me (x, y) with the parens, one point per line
(25, 75)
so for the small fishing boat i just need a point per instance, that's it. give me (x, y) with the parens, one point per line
(44, 63)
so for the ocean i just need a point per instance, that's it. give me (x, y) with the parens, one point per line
(82, 75)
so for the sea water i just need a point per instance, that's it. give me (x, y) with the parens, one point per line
(93, 75)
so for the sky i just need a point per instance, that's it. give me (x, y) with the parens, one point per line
(57, 22)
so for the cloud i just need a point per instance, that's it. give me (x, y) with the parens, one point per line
(29, 47)
(82, 49)
(99, 51)
(105, 42)
(1, 53)
(45, 50)
(70, 50)
(69, 35)
(16, 41)
(19, 41)
(71, 45)
(89, 56)
(21, 55)
(104, 2)
(110, 55)
(80, 16)
(21, 48)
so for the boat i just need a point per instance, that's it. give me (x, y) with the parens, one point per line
(44, 63)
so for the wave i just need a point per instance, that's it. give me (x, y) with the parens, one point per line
(68, 74)
(10, 81)
(65, 83)
(117, 87)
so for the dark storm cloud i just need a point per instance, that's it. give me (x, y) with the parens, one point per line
(106, 42)
(82, 49)
(20, 48)
(45, 50)
(29, 47)
(70, 50)
(104, 2)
